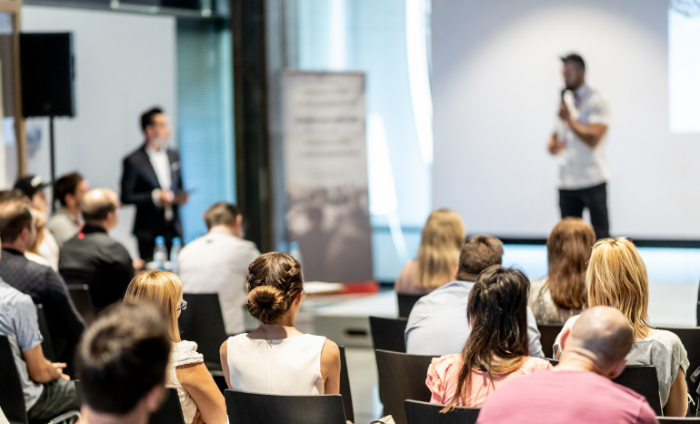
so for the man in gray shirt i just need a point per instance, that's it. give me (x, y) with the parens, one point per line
(438, 323)
(47, 391)
(66, 222)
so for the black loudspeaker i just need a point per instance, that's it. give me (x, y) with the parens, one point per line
(46, 63)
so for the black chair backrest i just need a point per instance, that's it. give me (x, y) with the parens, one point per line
(549, 333)
(406, 303)
(388, 333)
(690, 337)
(47, 344)
(345, 386)
(255, 408)
(428, 413)
(203, 322)
(170, 411)
(401, 377)
(643, 381)
(11, 394)
(675, 420)
(80, 295)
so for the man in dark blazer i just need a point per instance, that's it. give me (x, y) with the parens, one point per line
(152, 180)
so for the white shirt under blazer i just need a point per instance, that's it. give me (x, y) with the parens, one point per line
(290, 366)
(581, 166)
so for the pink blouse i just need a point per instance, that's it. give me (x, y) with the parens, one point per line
(443, 375)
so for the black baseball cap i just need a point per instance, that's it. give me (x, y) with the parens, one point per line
(574, 58)
(30, 184)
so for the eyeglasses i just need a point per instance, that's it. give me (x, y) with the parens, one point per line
(183, 306)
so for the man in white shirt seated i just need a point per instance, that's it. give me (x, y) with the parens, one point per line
(218, 263)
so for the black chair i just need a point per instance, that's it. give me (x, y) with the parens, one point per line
(11, 394)
(548, 334)
(47, 344)
(345, 386)
(401, 377)
(170, 411)
(388, 333)
(203, 322)
(406, 303)
(428, 413)
(690, 337)
(80, 294)
(643, 381)
(674, 420)
(255, 408)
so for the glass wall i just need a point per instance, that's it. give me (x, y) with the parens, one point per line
(388, 40)
(205, 118)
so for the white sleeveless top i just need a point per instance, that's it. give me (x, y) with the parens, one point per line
(289, 366)
(184, 353)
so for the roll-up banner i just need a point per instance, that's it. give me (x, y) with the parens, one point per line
(326, 174)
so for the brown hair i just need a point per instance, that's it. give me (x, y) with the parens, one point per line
(164, 289)
(438, 254)
(617, 277)
(221, 213)
(15, 216)
(568, 250)
(67, 184)
(274, 281)
(97, 204)
(497, 313)
(477, 254)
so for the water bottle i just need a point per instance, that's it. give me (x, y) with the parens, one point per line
(160, 254)
(174, 251)
(295, 253)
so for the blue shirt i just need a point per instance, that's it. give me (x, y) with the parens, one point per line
(19, 322)
(438, 323)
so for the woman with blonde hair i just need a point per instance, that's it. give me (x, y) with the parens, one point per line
(277, 358)
(200, 397)
(438, 254)
(562, 294)
(33, 252)
(617, 277)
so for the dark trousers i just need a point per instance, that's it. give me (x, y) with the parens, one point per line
(148, 245)
(57, 398)
(572, 202)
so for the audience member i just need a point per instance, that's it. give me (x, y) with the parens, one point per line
(438, 254)
(187, 372)
(14, 194)
(562, 294)
(66, 221)
(438, 323)
(497, 350)
(218, 263)
(578, 390)
(32, 252)
(47, 391)
(92, 257)
(121, 362)
(43, 284)
(32, 187)
(617, 277)
(277, 358)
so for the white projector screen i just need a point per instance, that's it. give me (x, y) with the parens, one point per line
(495, 84)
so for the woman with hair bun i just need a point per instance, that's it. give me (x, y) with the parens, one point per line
(277, 358)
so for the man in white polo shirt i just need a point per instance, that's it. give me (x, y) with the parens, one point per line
(579, 141)
(218, 263)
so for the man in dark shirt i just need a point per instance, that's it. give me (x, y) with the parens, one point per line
(40, 282)
(92, 257)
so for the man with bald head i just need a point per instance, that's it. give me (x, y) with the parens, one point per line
(579, 389)
(92, 257)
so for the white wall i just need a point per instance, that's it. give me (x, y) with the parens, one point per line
(496, 82)
(125, 64)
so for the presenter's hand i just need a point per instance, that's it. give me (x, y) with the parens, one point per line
(564, 113)
(167, 197)
(555, 145)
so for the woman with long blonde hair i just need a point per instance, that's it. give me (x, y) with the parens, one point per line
(200, 398)
(438, 254)
(562, 294)
(617, 277)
